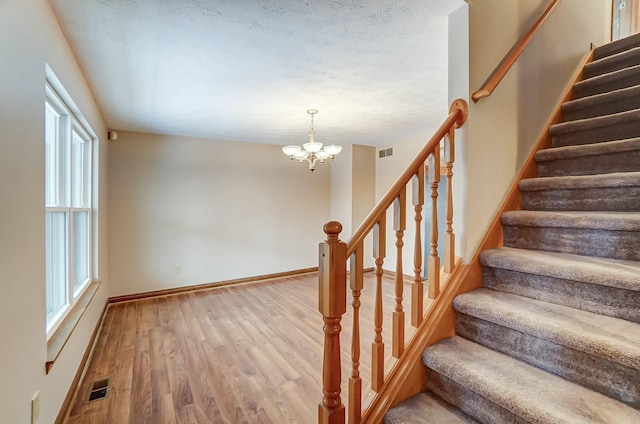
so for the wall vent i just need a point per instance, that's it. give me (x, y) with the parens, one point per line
(99, 389)
(385, 152)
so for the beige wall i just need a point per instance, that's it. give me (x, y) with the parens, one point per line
(219, 209)
(341, 189)
(363, 194)
(29, 38)
(388, 169)
(503, 128)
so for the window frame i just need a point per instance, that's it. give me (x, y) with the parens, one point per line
(70, 123)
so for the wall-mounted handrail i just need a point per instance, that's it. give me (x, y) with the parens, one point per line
(510, 58)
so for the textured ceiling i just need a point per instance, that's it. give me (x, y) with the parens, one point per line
(248, 70)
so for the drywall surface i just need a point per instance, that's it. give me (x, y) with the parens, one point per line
(29, 39)
(459, 89)
(341, 191)
(503, 128)
(187, 211)
(363, 194)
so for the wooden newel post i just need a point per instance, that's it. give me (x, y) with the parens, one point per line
(332, 305)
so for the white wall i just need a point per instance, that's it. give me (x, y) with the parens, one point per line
(29, 38)
(503, 128)
(219, 209)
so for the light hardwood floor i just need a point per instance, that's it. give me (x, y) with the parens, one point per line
(241, 354)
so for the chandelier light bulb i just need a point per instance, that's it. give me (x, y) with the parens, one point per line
(291, 150)
(333, 150)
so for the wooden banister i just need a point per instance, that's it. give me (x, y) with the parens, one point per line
(510, 58)
(334, 255)
(456, 118)
(332, 304)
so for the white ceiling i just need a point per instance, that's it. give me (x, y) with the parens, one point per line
(248, 70)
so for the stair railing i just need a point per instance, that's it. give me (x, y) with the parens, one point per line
(334, 254)
(510, 58)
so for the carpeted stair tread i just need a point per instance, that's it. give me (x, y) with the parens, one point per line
(622, 78)
(590, 159)
(606, 337)
(604, 234)
(614, 62)
(615, 221)
(585, 269)
(600, 192)
(530, 393)
(617, 126)
(606, 103)
(589, 124)
(618, 179)
(584, 150)
(425, 408)
(616, 46)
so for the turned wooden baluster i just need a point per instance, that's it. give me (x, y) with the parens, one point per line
(355, 382)
(433, 163)
(417, 288)
(332, 304)
(449, 236)
(377, 347)
(399, 225)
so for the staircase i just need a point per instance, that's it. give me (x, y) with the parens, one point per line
(554, 334)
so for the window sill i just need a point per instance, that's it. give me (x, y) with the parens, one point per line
(59, 338)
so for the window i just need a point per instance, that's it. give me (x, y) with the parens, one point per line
(68, 204)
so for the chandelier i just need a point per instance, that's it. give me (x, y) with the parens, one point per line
(312, 151)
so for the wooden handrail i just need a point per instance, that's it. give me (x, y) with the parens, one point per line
(510, 58)
(334, 255)
(457, 116)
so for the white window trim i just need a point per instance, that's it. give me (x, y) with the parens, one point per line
(60, 101)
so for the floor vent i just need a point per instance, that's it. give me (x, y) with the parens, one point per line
(99, 389)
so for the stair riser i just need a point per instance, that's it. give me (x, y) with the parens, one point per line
(620, 131)
(587, 242)
(613, 64)
(604, 300)
(468, 401)
(621, 199)
(606, 377)
(607, 84)
(591, 165)
(571, 113)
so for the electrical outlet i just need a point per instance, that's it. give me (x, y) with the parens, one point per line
(178, 269)
(35, 407)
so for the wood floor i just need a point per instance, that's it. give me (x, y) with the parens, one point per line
(240, 354)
